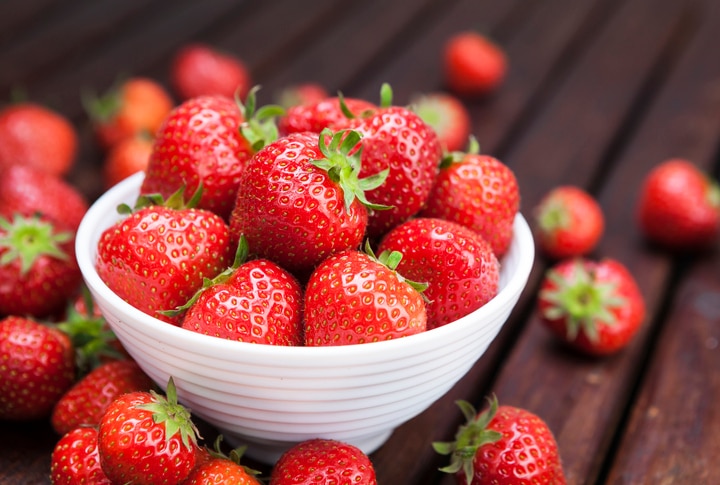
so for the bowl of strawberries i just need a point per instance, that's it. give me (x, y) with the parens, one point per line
(310, 304)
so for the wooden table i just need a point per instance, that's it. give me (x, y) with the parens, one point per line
(598, 92)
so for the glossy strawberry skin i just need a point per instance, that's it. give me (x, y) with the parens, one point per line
(37, 366)
(324, 113)
(157, 257)
(473, 65)
(569, 222)
(351, 298)
(624, 303)
(290, 211)
(259, 303)
(459, 266)
(323, 461)
(199, 70)
(679, 206)
(220, 471)
(86, 401)
(135, 449)
(481, 193)
(75, 459)
(397, 139)
(200, 143)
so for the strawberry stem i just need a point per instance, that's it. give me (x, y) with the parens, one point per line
(27, 239)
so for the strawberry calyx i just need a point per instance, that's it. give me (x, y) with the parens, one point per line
(469, 438)
(103, 108)
(235, 455)
(342, 163)
(176, 201)
(450, 158)
(259, 127)
(581, 300)
(175, 416)
(391, 260)
(27, 239)
(553, 215)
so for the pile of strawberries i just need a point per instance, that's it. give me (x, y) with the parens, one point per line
(327, 221)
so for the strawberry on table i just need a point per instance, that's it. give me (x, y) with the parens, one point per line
(473, 64)
(479, 192)
(75, 459)
(458, 265)
(329, 112)
(86, 401)
(503, 445)
(300, 199)
(679, 206)
(215, 467)
(323, 461)
(146, 438)
(134, 106)
(126, 158)
(200, 69)
(569, 222)
(37, 366)
(36, 136)
(158, 256)
(447, 115)
(354, 297)
(38, 268)
(595, 307)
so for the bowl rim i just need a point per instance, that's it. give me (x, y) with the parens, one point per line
(98, 218)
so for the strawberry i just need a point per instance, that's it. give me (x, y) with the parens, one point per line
(354, 297)
(36, 136)
(38, 269)
(215, 467)
(199, 70)
(396, 139)
(503, 445)
(447, 115)
(329, 112)
(201, 143)
(28, 191)
(157, 257)
(37, 366)
(125, 158)
(595, 307)
(473, 65)
(86, 401)
(301, 94)
(569, 222)
(300, 199)
(323, 461)
(147, 438)
(75, 459)
(458, 265)
(252, 301)
(133, 106)
(479, 192)
(679, 206)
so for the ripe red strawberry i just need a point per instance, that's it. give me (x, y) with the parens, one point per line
(323, 461)
(29, 191)
(303, 93)
(200, 143)
(300, 200)
(37, 365)
(145, 438)
(157, 257)
(473, 65)
(354, 297)
(447, 115)
(134, 106)
(200, 70)
(396, 139)
(252, 301)
(38, 269)
(86, 401)
(38, 137)
(479, 192)
(75, 459)
(125, 158)
(569, 222)
(593, 306)
(458, 265)
(679, 206)
(214, 467)
(329, 112)
(503, 445)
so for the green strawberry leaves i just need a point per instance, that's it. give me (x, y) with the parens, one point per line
(29, 238)
(175, 416)
(259, 127)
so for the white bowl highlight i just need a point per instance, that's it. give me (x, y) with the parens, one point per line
(272, 397)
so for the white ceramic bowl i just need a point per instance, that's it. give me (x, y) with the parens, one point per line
(272, 397)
